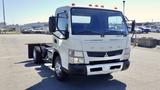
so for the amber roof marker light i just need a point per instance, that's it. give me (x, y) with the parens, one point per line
(96, 5)
(73, 4)
(90, 5)
(102, 6)
(115, 8)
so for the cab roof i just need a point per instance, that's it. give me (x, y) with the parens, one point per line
(89, 7)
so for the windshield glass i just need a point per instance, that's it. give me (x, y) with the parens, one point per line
(97, 21)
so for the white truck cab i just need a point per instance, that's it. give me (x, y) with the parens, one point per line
(86, 41)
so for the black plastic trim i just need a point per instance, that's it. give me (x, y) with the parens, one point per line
(126, 64)
(104, 62)
(79, 69)
(102, 54)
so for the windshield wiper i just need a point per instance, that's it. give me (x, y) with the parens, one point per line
(116, 33)
(90, 32)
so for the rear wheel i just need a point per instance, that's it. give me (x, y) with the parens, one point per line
(59, 73)
(37, 56)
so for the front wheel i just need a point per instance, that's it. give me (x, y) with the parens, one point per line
(59, 73)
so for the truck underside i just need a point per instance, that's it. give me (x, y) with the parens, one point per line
(46, 53)
(42, 46)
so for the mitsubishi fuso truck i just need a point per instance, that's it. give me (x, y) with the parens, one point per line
(86, 41)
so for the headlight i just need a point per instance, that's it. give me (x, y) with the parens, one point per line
(74, 53)
(127, 53)
(76, 57)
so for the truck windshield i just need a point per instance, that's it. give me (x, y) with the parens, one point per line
(97, 22)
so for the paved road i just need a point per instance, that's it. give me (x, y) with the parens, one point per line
(19, 73)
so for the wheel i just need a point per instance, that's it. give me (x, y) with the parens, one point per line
(43, 51)
(37, 56)
(59, 73)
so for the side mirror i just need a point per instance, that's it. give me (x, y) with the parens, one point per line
(66, 34)
(52, 24)
(133, 26)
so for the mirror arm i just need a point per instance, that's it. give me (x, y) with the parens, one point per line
(133, 34)
(57, 36)
(61, 32)
(126, 18)
(133, 31)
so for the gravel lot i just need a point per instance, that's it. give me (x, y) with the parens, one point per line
(17, 72)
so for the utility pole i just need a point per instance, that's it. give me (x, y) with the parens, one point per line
(124, 6)
(4, 18)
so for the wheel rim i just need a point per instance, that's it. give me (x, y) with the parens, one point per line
(58, 69)
(34, 54)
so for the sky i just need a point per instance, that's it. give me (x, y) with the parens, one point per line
(29, 11)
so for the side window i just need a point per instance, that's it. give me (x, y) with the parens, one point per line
(115, 23)
(62, 21)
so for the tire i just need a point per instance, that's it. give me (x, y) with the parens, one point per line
(43, 51)
(59, 73)
(37, 56)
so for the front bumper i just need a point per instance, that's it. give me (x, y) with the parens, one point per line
(86, 69)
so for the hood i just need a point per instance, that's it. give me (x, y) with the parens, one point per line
(100, 44)
(97, 43)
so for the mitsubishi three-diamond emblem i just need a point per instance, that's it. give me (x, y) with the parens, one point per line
(106, 55)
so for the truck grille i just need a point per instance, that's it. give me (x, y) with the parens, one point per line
(102, 54)
(114, 53)
(104, 62)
